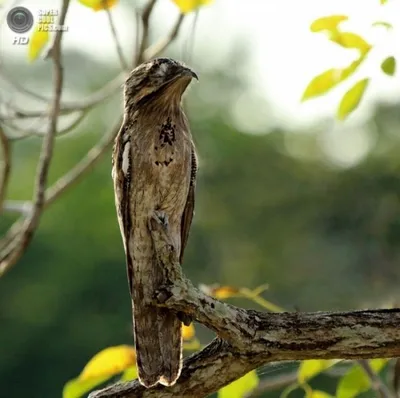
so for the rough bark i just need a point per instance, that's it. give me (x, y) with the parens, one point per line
(248, 339)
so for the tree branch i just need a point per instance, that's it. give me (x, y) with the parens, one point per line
(157, 48)
(248, 339)
(6, 167)
(124, 64)
(148, 9)
(376, 382)
(11, 256)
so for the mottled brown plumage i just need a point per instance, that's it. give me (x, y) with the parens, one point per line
(154, 168)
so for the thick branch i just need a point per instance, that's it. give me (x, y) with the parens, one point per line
(248, 339)
(278, 337)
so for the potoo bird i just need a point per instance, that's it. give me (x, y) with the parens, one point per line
(154, 169)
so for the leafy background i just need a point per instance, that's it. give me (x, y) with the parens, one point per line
(271, 209)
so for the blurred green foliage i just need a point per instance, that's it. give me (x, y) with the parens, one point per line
(321, 236)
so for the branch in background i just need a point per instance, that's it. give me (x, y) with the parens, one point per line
(273, 383)
(396, 376)
(159, 47)
(376, 383)
(61, 185)
(6, 167)
(9, 243)
(84, 165)
(114, 86)
(86, 103)
(253, 338)
(145, 31)
(118, 47)
(25, 132)
(10, 257)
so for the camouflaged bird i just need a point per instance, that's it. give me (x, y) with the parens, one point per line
(154, 169)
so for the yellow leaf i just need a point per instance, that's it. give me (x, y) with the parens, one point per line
(388, 66)
(322, 83)
(352, 99)
(98, 5)
(318, 394)
(192, 345)
(329, 23)
(240, 387)
(186, 6)
(383, 1)
(350, 40)
(109, 362)
(327, 80)
(224, 292)
(188, 332)
(311, 368)
(37, 42)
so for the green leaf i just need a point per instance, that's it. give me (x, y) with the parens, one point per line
(388, 65)
(75, 388)
(329, 79)
(313, 367)
(329, 23)
(351, 40)
(240, 387)
(383, 24)
(383, 2)
(352, 99)
(355, 381)
(129, 374)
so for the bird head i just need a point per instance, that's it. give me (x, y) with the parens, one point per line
(158, 78)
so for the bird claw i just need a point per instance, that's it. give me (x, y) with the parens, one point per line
(161, 217)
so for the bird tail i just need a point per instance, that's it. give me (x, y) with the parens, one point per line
(158, 331)
(158, 342)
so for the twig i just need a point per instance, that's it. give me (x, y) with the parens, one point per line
(118, 47)
(5, 170)
(189, 47)
(61, 185)
(145, 31)
(87, 102)
(25, 133)
(84, 165)
(17, 85)
(18, 206)
(159, 47)
(8, 259)
(396, 377)
(376, 382)
(273, 383)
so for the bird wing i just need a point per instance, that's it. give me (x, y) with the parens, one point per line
(188, 212)
(121, 174)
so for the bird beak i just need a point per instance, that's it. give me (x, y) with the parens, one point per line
(189, 72)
